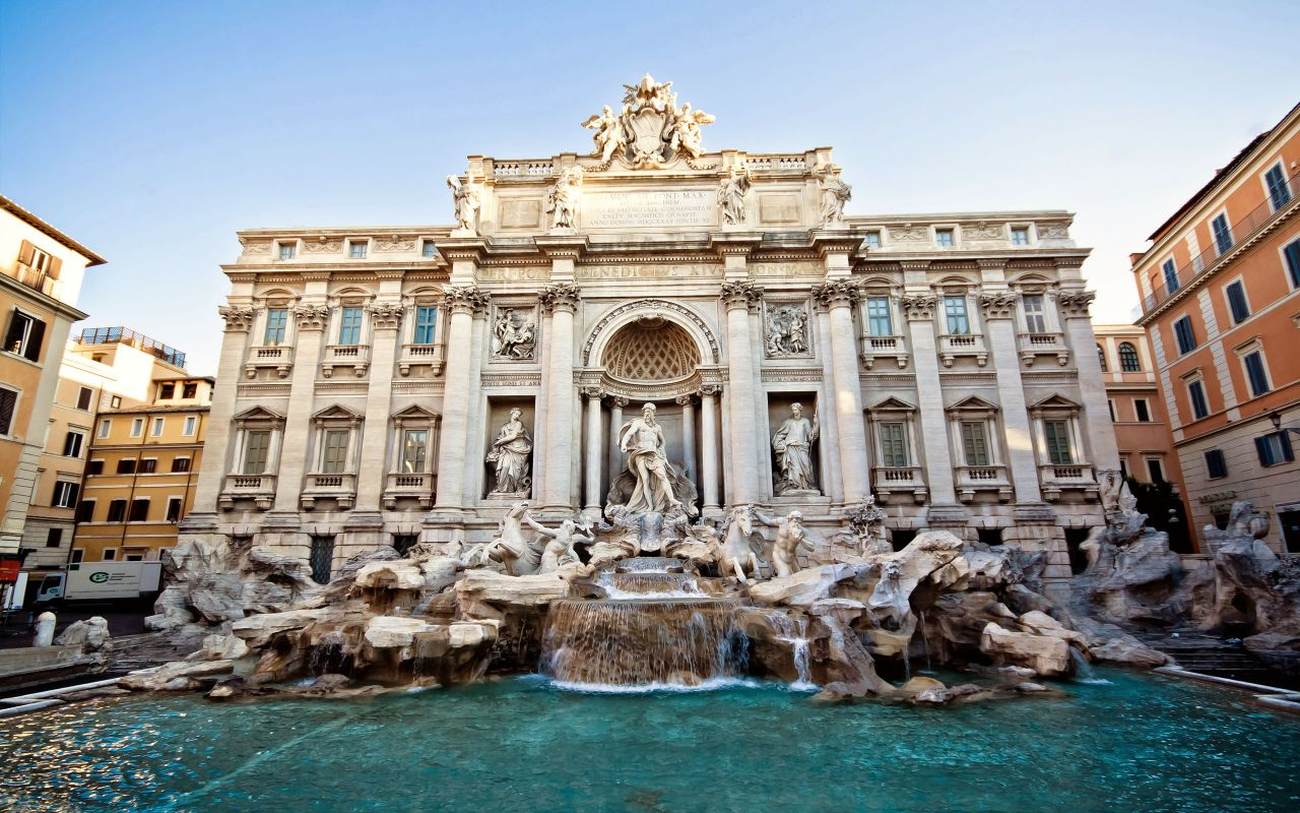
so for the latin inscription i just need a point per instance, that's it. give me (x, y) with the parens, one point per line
(612, 210)
(635, 270)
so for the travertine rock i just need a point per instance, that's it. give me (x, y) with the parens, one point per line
(1048, 656)
(806, 587)
(257, 630)
(496, 588)
(220, 647)
(91, 634)
(176, 676)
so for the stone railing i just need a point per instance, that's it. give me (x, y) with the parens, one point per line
(417, 355)
(516, 169)
(277, 357)
(406, 485)
(340, 486)
(954, 345)
(889, 480)
(775, 162)
(260, 488)
(973, 479)
(1057, 478)
(356, 356)
(875, 347)
(1033, 345)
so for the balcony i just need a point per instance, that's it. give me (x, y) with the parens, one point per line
(888, 347)
(972, 480)
(1033, 345)
(260, 488)
(276, 357)
(955, 345)
(403, 485)
(341, 487)
(356, 356)
(34, 278)
(903, 480)
(420, 355)
(1057, 478)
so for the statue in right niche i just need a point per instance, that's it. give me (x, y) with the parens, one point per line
(510, 454)
(793, 446)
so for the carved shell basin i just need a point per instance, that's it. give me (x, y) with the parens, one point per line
(651, 349)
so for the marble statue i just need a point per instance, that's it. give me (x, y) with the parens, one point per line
(511, 549)
(466, 203)
(559, 544)
(562, 202)
(1111, 481)
(514, 335)
(867, 528)
(511, 452)
(835, 194)
(735, 554)
(686, 136)
(787, 332)
(642, 440)
(731, 196)
(608, 135)
(793, 446)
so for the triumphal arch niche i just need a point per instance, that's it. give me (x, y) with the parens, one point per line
(652, 331)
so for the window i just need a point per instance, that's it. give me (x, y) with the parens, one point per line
(174, 509)
(974, 442)
(1196, 393)
(277, 325)
(426, 319)
(24, 336)
(1056, 435)
(944, 237)
(191, 424)
(1279, 194)
(116, 510)
(190, 389)
(1236, 293)
(1292, 256)
(95, 467)
(1171, 275)
(404, 542)
(414, 449)
(72, 443)
(65, 494)
(428, 250)
(1184, 334)
(334, 454)
(148, 465)
(115, 401)
(1274, 448)
(357, 249)
(126, 465)
(53, 537)
(1255, 373)
(954, 309)
(1128, 358)
(893, 444)
(85, 511)
(157, 429)
(108, 555)
(1101, 358)
(287, 250)
(137, 427)
(105, 426)
(1222, 233)
(879, 319)
(133, 557)
(8, 405)
(873, 239)
(167, 391)
(1142, 410)
(180, 464)
(350, 326)
(1155, 469)
(321, 558)
(139, 509)
(1035, 321)
(257, 445)
(83, 397)
(1216, 465)
(1019, 235)
(1110, 405)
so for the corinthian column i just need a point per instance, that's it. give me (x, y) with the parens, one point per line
(616, 405)
(687, 403)
(709, 447)
(561, 301)
(737, 295)
(594, 449)
(461, 302)
(838, 296)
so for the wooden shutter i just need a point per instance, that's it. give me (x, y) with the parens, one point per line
(1261, 449)
(55, 264)
(8, 400)
(26, 253)
(34, 338)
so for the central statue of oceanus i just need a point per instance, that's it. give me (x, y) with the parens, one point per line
(650, 497)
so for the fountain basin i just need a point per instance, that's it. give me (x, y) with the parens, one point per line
(649, 564)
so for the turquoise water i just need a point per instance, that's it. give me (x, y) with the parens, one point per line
(1136, 744)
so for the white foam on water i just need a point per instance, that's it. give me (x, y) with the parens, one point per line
(710, 685)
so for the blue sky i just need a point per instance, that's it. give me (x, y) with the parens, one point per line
(152, 131)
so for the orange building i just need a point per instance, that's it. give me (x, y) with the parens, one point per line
(1221, 308)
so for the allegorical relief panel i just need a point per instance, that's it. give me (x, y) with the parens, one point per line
(786, 331)
(514, 334)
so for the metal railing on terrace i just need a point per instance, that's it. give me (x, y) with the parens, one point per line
(122, 335)
(1241, 231)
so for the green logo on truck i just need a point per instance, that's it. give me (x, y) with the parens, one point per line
(98, 577)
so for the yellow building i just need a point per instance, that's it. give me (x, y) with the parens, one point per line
(143, 454)
(41, 271)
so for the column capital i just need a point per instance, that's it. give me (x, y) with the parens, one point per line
(685, 400)
(465, 298)
(562, 296)
(239, 318)
(593, 393)
(1075, 303)
(918, 307)
(836, 293)
(618, 401)
(312, 317)
(998, 305)
(741, 294)
(386, 316)
(709, 391)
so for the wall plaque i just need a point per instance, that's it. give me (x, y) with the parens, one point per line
(649, 209)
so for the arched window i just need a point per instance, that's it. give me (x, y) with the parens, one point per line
(1128, 358)
(1101, 357)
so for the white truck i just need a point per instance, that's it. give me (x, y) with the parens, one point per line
(101, 581)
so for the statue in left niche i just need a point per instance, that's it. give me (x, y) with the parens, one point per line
(793, 446)
(514, 335)
(562, 202)
(511, 453)
(466, 203)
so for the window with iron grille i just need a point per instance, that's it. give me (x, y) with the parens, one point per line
(322, 558)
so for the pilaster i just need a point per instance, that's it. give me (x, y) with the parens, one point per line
(838, 297)
(918, 309)
(561, 301)
(998, 309)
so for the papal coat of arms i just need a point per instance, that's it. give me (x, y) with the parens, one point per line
(651, 130)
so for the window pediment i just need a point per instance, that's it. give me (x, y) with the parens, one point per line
(972, 406)
(337, 413)
(892, 406)
(259, 416)
(1055, 404)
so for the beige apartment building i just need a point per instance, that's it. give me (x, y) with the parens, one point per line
(41, 271)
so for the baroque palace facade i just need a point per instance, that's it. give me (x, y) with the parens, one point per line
(401, 384)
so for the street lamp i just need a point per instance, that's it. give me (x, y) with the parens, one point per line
(1276, 418)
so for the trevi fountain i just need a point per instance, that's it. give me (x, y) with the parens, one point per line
(699, 497)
